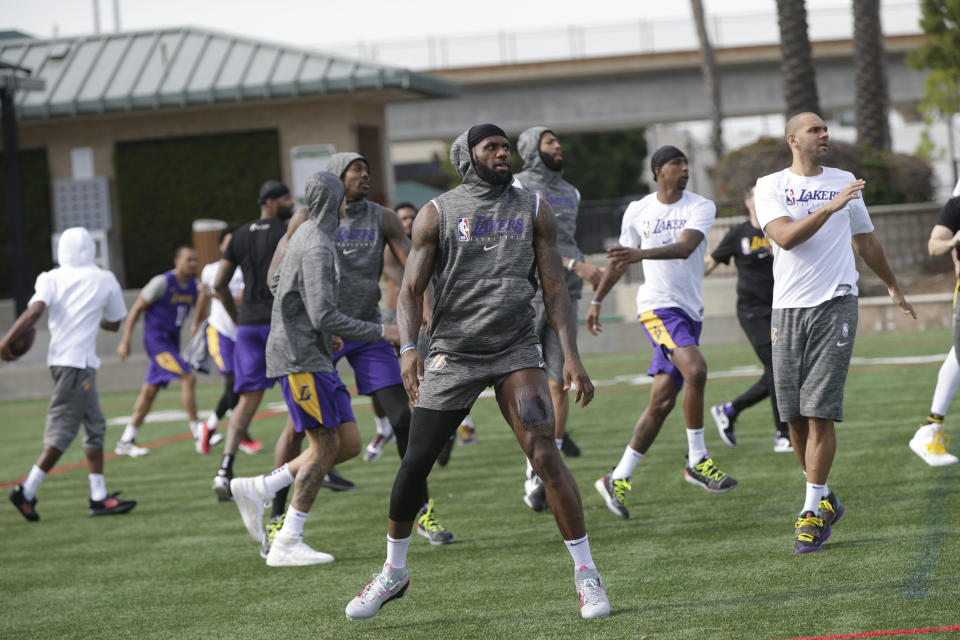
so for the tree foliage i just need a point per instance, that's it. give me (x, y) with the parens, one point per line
(940, 20)
(799, 77)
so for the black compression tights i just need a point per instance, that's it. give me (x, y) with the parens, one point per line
(429, 431)
(228, 400)
(393, 401)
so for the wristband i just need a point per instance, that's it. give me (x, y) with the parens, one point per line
(383, 330)
(407, 347)
(571, 264)
(596, 303)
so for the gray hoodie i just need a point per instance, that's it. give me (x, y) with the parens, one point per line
(305, 288)
(485, 264)
(562, 197)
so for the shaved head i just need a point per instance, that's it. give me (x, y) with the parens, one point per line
(800, 121)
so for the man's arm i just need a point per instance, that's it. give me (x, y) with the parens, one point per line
(202, 310)
(395, 237)
(611, 276)
(416, 279)
(556, 299)
(942, 240)
(301, 216)
(788, 233)
(221, 287)
(123, 349)
(709, 264)
(870, 250)
(686, 244)
(23, 323)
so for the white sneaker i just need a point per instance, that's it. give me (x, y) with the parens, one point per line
(929, 442)
(724, 424)
(375, 449)
(535, 494)
(293, 552)
(388, 585)
(781, 444)
(130, 449)
(592, 593)
(251, 497)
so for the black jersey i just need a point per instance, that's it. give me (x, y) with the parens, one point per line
(251, 248)
(950, 215)
(750, 251)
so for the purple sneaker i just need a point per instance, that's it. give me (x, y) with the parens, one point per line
(830, 512)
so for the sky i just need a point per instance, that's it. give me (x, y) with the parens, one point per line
(311, 23)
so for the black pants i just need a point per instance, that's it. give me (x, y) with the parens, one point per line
(756, 325)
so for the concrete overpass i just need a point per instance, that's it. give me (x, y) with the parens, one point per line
(616, 92)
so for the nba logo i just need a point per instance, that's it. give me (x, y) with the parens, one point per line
(463, 226)
(845, 330)
(790, 199)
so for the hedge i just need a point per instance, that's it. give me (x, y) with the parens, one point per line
(37, 220)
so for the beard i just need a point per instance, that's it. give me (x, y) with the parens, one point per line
(553, 165)
(489, 175)
(284, 213)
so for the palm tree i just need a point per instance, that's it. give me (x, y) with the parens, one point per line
(708, 63)
(870, 76)
(799, 77)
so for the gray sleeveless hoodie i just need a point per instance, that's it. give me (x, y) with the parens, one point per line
(360, 244)
(305, 289)
(562, 197)
(485, 264)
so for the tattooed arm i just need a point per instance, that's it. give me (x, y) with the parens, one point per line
(557, 301)
(416, 279)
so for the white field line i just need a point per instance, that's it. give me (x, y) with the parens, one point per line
(636, 380)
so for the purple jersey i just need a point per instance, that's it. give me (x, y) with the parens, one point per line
(163, 318)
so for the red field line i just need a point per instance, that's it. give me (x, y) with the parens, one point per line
(111, 456)
(877, 634)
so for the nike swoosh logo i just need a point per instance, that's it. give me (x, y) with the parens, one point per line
(486, 248)
(842, 344)
(349, 251)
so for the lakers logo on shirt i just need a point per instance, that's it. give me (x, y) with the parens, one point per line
(773, 335)
(438, 362)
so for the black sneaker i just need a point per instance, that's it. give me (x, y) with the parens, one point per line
(336, 482)
(724, 424)
(568, 447)
(25, 507)
(444, 456)
(430, 528)
(809, 533)
(830, 512)
(708, 476)
(614, 492)
(221, 485)
(111, 505)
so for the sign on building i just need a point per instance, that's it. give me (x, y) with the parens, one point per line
(304, 162)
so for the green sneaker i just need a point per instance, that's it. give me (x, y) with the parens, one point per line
(269, 533)
(706, 474)
(430, 528)
(614, 492)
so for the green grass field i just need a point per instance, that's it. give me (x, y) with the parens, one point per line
(686, 565)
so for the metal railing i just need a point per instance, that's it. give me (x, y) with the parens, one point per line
(612, 38)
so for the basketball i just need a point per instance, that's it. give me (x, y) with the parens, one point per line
(22, 344)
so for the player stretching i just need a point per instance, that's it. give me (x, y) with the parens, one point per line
(666, 230)
(813, 214)
(166, 299)
(483, 241)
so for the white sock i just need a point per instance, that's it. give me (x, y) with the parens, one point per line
(384, 428)
(559, 442)
(98, 487)
(277, 479)
(34, 478)
(696, 449)
(468, 421)
(814, 493)
(628, 462)
(212, 420)
(530, 472)
(195, 427)
(580, 552)
(947, 381)
(130, 433)
(293, 523)
(397, 551)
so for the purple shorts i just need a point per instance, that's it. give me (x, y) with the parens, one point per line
(668, 329)
(316, 400)
(250, 358)
(220, 348)
(375, 364)
(165, 364)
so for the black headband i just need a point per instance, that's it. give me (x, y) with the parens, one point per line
(271, 190)
(662, 156)
(479, 132)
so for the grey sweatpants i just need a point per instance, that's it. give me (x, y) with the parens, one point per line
(74, 402)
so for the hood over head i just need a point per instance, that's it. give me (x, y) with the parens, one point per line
(324, 193)
(75, 248)
(462, 160)
(339, 162)
(528, 146)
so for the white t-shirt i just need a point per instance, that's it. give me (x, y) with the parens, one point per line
(76, 299)
(811, 272)
(647, 224)
(219, 319)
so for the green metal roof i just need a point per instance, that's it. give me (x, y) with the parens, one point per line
(188, 66)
